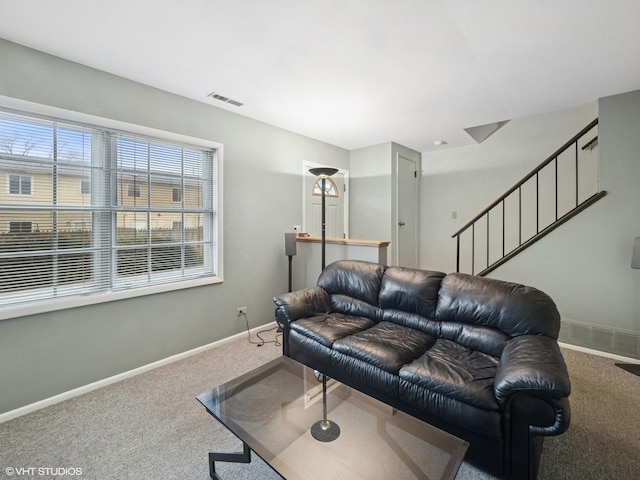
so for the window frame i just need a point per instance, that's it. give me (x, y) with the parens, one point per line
(328, 193)
(20, 184)
(85, 187)
(176, 195)
(134, 190)
(19, 107)
(20, 224)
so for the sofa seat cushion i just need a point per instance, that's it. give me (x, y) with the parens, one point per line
(386, 345)
(455, 384)
(327, 328)
(457, 372)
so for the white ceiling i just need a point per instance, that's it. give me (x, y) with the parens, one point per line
(353, 72)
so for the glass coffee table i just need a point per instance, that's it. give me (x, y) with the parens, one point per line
(273, 409)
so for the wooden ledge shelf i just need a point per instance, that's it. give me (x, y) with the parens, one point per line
(344, 241)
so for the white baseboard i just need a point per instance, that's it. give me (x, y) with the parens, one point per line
(599, 353)
(18, 412)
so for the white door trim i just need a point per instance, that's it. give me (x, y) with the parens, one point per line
(306, 165)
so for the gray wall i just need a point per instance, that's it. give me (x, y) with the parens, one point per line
(465, 180)
(373, 208)
(47, 354)
(584, 265)
(370, 197)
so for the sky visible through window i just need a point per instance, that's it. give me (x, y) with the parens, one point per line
(40, 141)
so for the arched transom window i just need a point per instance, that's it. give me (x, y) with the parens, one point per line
(330, 188)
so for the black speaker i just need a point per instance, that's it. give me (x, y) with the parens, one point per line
(290, 244)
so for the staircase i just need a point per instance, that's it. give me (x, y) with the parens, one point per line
(557, 190)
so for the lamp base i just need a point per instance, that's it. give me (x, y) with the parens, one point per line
(630, 367)
(325, 431)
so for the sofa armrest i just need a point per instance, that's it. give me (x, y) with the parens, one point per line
(300, 304)
(532, 364)
(532, 382)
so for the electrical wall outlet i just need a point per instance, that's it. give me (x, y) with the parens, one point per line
(241, 311)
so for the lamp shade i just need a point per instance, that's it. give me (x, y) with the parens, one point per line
(323, 171)
(635, 259)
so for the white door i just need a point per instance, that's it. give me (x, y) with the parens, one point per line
(407, 228)
(334, 206)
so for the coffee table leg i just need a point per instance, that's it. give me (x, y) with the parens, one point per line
(239, 457)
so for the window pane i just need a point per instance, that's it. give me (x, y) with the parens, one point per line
(75, 229)
(132, 262)
(166, 258)
(75, 268)
(132, 155)
(14, 184)
(166, 227)
(194, 227)
(20, 227)
(85, 187)
(27, 139)
(193, 197)
(74, 148)
(132, 167)
(133, 189)
(22, 273)
(194, 256)
(36, 243)
(163, 190)
(131, 228)
(166, 159)
(193, 162)
(41, 223)
(25, 185)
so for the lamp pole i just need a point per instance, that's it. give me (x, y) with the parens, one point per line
(324, 430)
(323, 173)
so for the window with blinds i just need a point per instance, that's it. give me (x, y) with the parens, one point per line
(87, 210)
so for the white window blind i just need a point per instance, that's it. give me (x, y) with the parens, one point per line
(58, 240)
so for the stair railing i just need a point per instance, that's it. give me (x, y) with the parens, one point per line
(483, 216)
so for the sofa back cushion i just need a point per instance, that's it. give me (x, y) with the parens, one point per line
(353, 278)
(410, 290)
(509, 307)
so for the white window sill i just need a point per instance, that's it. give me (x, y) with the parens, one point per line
(81, 301)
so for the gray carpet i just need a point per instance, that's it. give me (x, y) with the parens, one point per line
(151, 426)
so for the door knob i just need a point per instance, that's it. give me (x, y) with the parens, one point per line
(402, 224)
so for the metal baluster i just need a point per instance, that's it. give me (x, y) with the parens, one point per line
(487, 239)
(520, 215)
(473, 248)
(503, 226)
(458, 253)
(576, 172)
(537, 204)
(556, 179)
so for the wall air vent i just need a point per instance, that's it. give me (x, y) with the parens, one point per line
(225, 99)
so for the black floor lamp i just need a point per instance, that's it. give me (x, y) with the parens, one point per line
(323, 173)
(324, 430)
(635, 263)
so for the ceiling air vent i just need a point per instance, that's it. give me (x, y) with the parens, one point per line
(224, 99)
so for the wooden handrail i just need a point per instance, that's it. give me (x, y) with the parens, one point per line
(528, 176)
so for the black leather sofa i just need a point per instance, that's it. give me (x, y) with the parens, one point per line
(474, 356)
